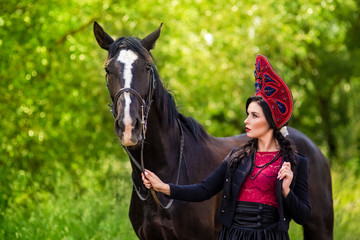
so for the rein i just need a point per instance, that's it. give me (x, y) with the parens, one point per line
(145, 109)
(142, 169)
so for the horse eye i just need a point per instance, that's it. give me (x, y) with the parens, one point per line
(107, 70)
(148, 67)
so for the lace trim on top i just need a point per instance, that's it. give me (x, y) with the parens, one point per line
(262, 189)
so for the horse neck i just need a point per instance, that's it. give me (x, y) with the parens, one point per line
(161, 145)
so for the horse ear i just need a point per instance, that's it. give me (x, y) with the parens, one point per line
(149, 41)
(103, 39)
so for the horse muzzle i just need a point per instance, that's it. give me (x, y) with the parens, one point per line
(130, 133)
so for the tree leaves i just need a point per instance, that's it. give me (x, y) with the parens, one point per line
(53, 97)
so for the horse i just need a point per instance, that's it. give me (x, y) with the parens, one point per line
(179, 150)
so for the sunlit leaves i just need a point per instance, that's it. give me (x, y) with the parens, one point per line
(53, 97)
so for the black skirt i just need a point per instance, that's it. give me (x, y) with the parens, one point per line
(254, 221)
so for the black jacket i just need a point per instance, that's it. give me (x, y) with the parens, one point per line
(295, 206)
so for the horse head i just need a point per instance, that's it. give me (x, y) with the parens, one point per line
(130, 74)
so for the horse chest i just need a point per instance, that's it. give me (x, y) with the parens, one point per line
(151, 222)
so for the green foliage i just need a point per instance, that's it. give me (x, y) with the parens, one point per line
(346, 190)
(100, 209)
(96, 207)
(61, 166)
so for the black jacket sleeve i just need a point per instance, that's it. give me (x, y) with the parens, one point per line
(204, 190)
(297, 203)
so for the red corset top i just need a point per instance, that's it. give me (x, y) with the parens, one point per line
(262, 189)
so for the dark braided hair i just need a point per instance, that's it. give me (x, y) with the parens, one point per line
(287, 147)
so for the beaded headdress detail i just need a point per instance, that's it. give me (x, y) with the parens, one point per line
(270, 86)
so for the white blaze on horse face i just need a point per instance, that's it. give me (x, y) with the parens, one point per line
(127, 57)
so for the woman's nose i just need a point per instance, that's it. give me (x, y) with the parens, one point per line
(245, 121)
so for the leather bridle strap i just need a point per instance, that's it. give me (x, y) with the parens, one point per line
(182, 142)
(145, 105)
(142, 169)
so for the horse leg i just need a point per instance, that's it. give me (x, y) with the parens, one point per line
(136, 216)
(201, 224)
(149, 226)
(321, 222)
(318, 228)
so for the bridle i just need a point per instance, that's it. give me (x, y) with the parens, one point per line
(145, 105)
(145, 109)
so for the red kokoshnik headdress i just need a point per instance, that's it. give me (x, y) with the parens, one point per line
(274, 90)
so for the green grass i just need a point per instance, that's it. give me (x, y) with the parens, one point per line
(89, 207)
(95, 205)
(346, 194)
(346, 197)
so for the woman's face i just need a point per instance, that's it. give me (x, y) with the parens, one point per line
(256, 124)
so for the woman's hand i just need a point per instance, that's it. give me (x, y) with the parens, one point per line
(287, 175)
(150, 180)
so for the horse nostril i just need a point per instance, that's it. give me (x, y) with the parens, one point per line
(119, 125)
(137, 124)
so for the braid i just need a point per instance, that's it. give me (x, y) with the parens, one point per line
(287, 147)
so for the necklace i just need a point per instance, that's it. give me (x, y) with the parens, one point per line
(262, 167)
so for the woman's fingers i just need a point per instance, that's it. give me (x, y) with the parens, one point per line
(149, 173)
(149, 178)
(286, 175)
(285, 171)
(146, 181)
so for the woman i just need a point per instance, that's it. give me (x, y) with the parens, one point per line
(265, 182)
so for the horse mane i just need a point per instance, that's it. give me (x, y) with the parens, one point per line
(166, 106)
(163, 98)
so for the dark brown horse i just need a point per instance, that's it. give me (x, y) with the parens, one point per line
(179, 150)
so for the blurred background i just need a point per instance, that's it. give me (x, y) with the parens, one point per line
(63, 173)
